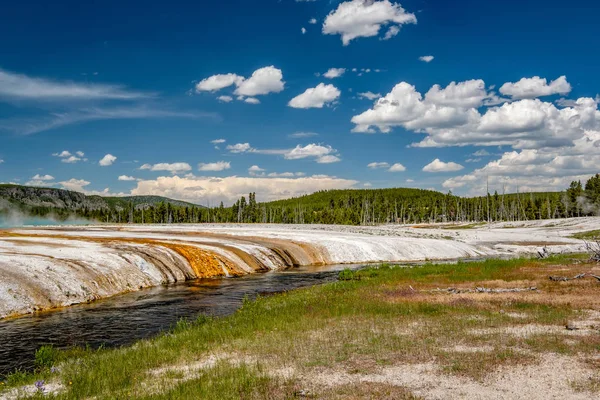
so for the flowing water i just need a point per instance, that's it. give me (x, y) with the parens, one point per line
(124, 319)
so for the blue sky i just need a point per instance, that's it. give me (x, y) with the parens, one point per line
(142, 89)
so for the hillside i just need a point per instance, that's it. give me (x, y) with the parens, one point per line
(39, 201)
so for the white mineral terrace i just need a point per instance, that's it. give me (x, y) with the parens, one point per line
(49, 267)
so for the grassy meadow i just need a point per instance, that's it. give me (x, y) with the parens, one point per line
(365, 336)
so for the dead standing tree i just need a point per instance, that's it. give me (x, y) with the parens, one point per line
(594, 249)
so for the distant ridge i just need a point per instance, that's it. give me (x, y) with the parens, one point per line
(25, 198)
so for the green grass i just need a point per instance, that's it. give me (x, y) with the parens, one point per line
(589, 235)
(357, 323)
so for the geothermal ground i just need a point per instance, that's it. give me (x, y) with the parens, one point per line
(45, 268)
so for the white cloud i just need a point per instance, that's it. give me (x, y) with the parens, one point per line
(543, 169)
(468, 94)
(263, 81)
(230, 189)
(410, 180)
(285, 174)
(76, 185)
(316, 97)
(217, 82)
(377, 165)
(334, 73)
(239, 148)
(126, 178)
(481, 153)
(369, 95)
(426, 59)
(71, 160)
(312, 21)
(39, 177)
(397, 168)
(303, 30)
(218, 141)
(391, 32)
(450, 117)
(107, 160)
(55, 120)
(328, 159)
(322, 154)
(216, 166)
(23, 87)
(440, 166)
(64, 153)
(364, 18)
(68, 158)
(529, 88)
(300, 135)
(1, 161)
(255, 170)
(173, 168)
(252, 100)
(225, 99)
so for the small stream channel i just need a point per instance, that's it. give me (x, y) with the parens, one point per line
(124, 319)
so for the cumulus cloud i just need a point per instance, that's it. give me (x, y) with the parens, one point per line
(252, 100)
(39, 177)
(173, 168)
(76, 185)
(529, 88)
(397, 168)
(440, 166)
(216, 166)
(312, 21)
(322, 154)
(225, 99)
(218, 141)
(263, 81)
(239, 147)
(255, 170)
(126, 178)
(107, 160)
(303, 30)
(364, 18)
(369, 95)
(426, 59)
(316, 97)
(217, 82)
(40, 180)
(68, 158)
(334, 73)
(450, 116)
(229, 189)
(535, 169)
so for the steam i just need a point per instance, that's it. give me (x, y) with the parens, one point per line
(587, 206)
(10, 217)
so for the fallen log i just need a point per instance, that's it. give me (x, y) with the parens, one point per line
(484, 290)
(566, 279)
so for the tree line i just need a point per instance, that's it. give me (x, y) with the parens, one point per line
(361, 207)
